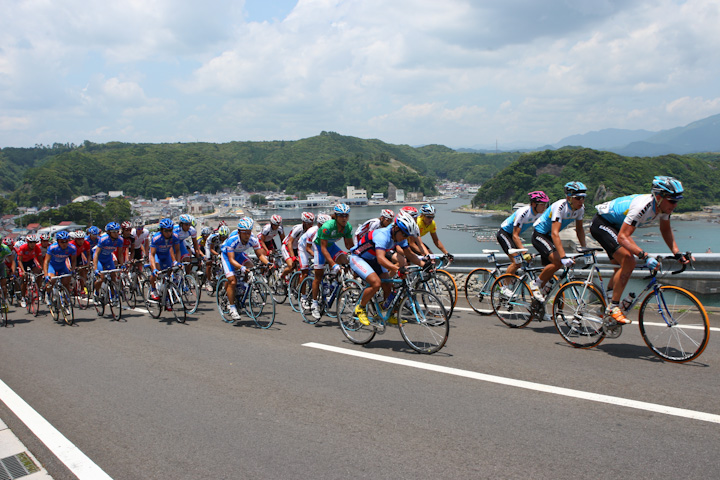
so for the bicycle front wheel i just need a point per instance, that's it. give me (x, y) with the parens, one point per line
(190, 293)
(351, 327)
(423, 321)
(443, 286)
(261, 304)
(513, 307)
(222, 301)
(114, 301)
(154, 307)
(4, 307)
(305, 301)
(278, 287)
(578, 312)
(293, 291)
(478, 287)
(674, 324)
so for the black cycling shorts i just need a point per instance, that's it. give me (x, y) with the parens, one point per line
(505, 240)
(606, 234)
(544, 245)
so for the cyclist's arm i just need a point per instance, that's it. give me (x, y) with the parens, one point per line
(196, 247)
(231, 259)
(73, 262)
(625, 239)
(151, 257)
(261, 256)
(668, 236)
(410, 255)
(580, 231)
(46, 262)
(385, 262)
(516, 237)
(555, 234)
(438, 243)
(349, 243)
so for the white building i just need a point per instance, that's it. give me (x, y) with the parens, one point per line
(356, 193)
(400, 195)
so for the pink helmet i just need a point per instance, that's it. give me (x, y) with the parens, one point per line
(387, 213)
(539, 196)
(308, 217)
(411, 210)
(276, 220)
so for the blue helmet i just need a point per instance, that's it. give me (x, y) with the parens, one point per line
(246, 223)
(166, 223)
(185, 218)
(62, 235)
(575, 189)
(427, 209)
(93, 230)
(112, 227)
(342, 209)
(667, 187)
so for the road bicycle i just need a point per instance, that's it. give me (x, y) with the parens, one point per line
(32, 292)
(278, 286)
(79, 292)
(672, 321)
(132, 279)
(167, 296)
(328, 291)
(478, 284)
(188, 287)
(419, 314)
(4, 307)
(252, 295)
(438, 281)
(109, 295)
(511, 297)
(59, 301)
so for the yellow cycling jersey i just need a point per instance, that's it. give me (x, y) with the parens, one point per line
(432, 228)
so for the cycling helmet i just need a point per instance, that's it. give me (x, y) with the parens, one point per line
(307, 217)
(44, 236)
(32, 238)
(224, 231)
(206, 231)
(539, 196)
(126, 225)
(667, 187)
(94, 231)
(112, 227)
(276, 220)
(575, 189)
(139, 222)
(185, 218)
(62, 235)
(342, 209)
(411, 210)
(427, 209)
(246, 223)
(407, 224)
(8, 241)
(77, 234)
(387, 213)
(322, 218)
(194, 221)
(166, 223)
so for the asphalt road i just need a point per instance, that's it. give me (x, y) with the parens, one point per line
(152, 399)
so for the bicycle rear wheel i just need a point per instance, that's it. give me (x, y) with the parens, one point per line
(277, 287)
(128, 292)
(174, 302)
(305, 296)
(54, 305)
(33, 299)
(578, 312)
(222, 301)
(351, 327)
(191, 294)
(114, 301)
(261, 304)
(423, 321)
(513, 309)
(65, 306)
(443, 286)
(4, 307)
(478, 287)
(674, 324)
(293, 291)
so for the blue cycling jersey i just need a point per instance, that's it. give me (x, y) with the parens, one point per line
(107, 246)
(380, 238)
(522, 217)
(635, 210)
(560, 211)
(163, 245)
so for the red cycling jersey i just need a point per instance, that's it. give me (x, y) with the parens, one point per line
(85, 247)
(25, 254)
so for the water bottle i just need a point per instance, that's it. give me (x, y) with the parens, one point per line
(627, 301)
(389, 300)
(240, 288)
(326, 289)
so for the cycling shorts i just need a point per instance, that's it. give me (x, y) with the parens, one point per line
(319, 258)
(544, 245)
(228, 268)
(364, 268)
(58, 269)
(505, 240)
(606, 234)
(287, 252)
(106, 264)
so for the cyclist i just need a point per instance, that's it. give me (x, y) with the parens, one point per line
(107, 246)
(141, 245)
(546, 235)
(617, 220)
(426, 223)
(385, 219)
(512, 227)
(269, 232)
(44, 244)
(56, 259)
(92, 236)
(28, 260)
(7, 254)
(204, 234)
(84, 252)
(325, 249)
(164, 252)
(212, 250)
(305, 249)
(128, 241)
(290, 242)
(369, 261)
(234, 258)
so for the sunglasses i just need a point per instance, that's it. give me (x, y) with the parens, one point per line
(673, 201)
(578, 197)
(342, 215)
(166, 229)
(63, 241)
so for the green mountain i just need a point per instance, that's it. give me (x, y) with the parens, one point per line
(327, 162)
(607, 176)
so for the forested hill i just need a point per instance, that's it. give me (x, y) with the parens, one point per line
(607, 176)
(327, 162)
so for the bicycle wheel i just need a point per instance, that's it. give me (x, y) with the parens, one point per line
(65, 306)
(53, 306)
(478, 286)
(578, 312)
(305, 296)
(114, 300)
(674, 324)
(260, 304)
(351, 327)
(174, 302)
(423, 321)
(446, 275)
(513, 309)
(222, 301)
(154, 307)
(100, 300)
(4, 307)
(33, 299)
(128, 292)
(277, 287)
(443, 288)
(293, 291)
(190, 293)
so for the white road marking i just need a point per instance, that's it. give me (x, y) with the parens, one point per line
(64, 449)
(538, 387)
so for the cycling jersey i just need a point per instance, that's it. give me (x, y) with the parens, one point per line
(432, 228)
(307, 238)
(182, 234)
(331, 232)
(213, 241)
(560, 211)
(59, 255)
(380, 238)
(234, 244)
(85, 247)
(107, 247)
(140, 237)
(635, 210)
(163, 245)
(26, 254)
(92, 241)
(522, 217)
(268, 233)
(292, 238)
(368, 226)
(5, 252)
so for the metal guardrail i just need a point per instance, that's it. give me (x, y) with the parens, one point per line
(705, 278)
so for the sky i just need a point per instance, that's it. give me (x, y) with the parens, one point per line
(459, 73)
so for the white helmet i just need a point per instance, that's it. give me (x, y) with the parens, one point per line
(407, 224)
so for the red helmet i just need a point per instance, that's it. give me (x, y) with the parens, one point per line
(411, 210)
(276, 220)
(126, 225)
(307, 217)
